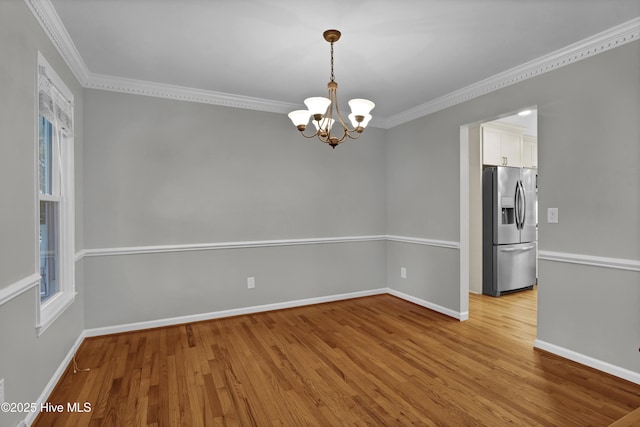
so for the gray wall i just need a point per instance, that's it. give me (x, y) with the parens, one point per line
(423, 192)
(27, 362)
(589, 155)
(589, 164)
(162, 172)
(169, 172)
(145, 287)
(588, 133)
(431, 273)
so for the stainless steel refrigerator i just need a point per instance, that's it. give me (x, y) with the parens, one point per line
(508, 229)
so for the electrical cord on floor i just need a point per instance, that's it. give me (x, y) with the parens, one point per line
(76, 369)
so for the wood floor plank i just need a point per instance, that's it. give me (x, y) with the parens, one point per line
(632, 419)
(376, 360)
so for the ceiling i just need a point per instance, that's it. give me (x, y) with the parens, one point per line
(400, 54)
(529, 122)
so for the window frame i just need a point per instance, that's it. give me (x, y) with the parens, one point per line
(63, 194)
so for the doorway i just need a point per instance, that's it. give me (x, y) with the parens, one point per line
(471, 166)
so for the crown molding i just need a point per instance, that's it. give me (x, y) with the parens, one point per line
(50, 22)
(181, 93)
(46, 15)
(598, 43)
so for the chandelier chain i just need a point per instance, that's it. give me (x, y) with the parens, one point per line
(332, 76)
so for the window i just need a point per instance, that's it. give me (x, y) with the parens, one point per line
(55, 196)
(49, 207)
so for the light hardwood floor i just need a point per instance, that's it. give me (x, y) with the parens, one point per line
(370, 361)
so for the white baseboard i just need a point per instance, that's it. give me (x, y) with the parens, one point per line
(600, 365)
(129, 327)
(116, 329)
(31, 416)
(431, 306)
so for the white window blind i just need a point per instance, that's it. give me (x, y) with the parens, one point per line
(54, 105)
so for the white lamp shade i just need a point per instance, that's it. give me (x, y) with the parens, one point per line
(323, 124)
(317, 105)
(361, 107)
(300, 117)
(362, 124)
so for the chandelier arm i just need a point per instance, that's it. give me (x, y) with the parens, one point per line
(324, 135)
(328, 115)
(341, 120)
(313, 135)
(344, 136)
(354, 135)
(333, 96)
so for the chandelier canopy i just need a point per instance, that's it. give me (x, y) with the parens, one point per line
(326, 112)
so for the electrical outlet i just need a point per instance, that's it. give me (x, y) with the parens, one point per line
(251, 282)
(552, 215)
(403, 273)
(2, 390)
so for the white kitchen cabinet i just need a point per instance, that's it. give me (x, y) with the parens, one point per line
(529, 151)
(501, 145)
(491, 147)
(506, 145)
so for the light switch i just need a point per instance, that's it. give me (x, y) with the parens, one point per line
(552, 215)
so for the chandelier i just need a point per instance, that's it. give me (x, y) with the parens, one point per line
(325, 111)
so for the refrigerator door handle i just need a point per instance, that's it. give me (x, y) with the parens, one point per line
(528, 248)
(517, 206)
(523, 206)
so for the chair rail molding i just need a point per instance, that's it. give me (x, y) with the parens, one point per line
(21, 286)
(594, 261)
(423, 241)
(127, 250)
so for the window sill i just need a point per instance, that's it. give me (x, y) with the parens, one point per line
(52, 309)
